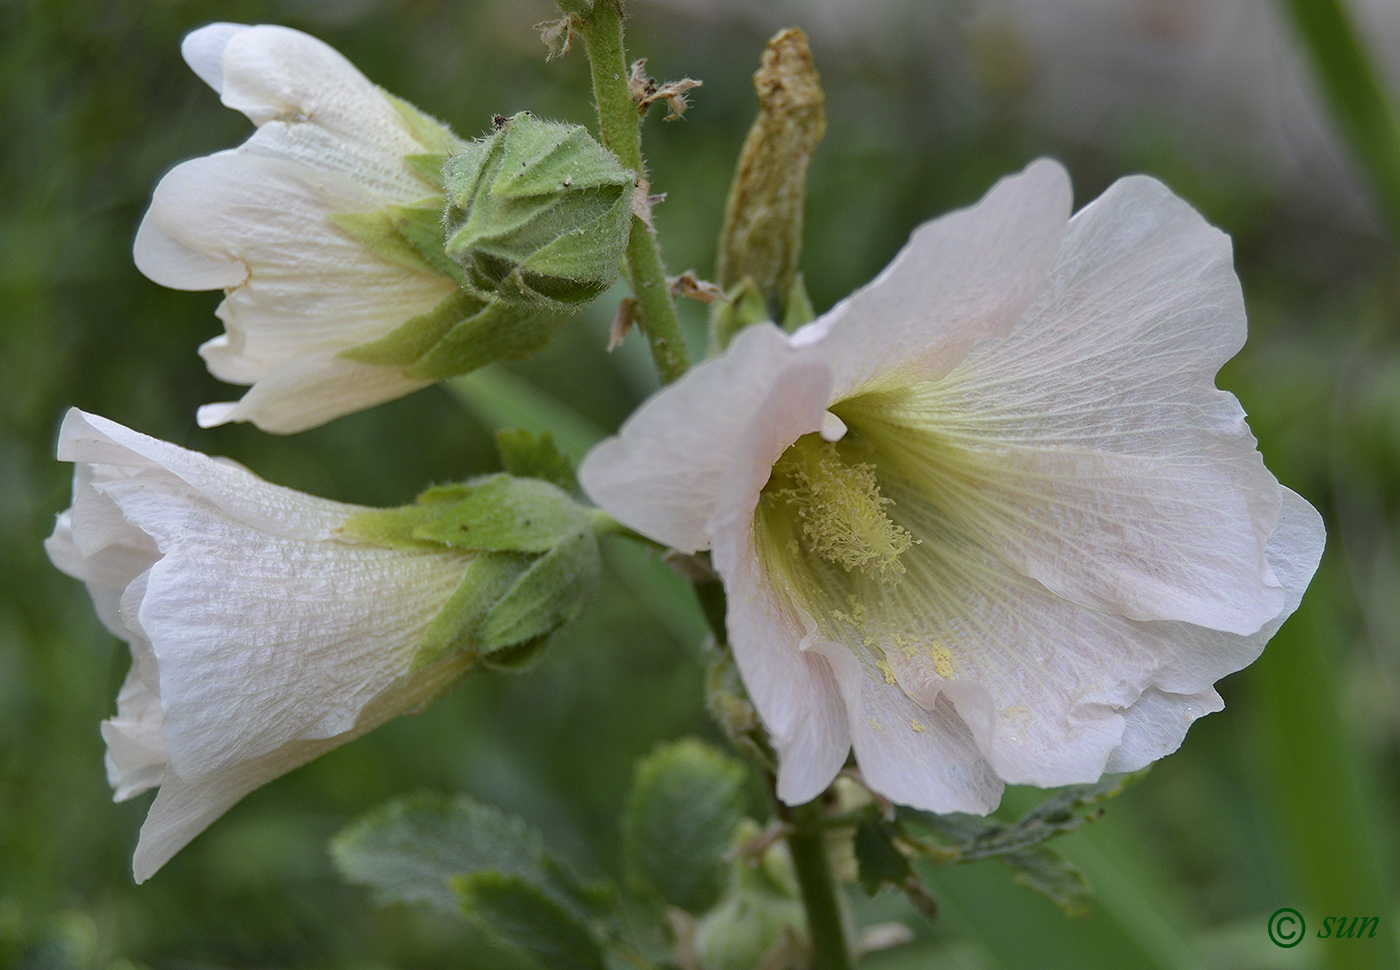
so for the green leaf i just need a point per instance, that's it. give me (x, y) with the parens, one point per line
(546, 596)
(518, 911)
(686, 800)
(410, 850)
(529, 455)
(878, 859)
(1053, 876)
(1063, 811)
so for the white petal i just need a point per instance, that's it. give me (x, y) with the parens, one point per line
(95, 440)
(309, 391)
(1119, 356)
(662, 473)
(911, 755)
(966, 275)
(182, 809)
(299, 284)
(203, 51)
(136, 755)
(313, 107)
(1156, 725)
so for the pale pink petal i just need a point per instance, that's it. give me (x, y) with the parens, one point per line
(967, 275)
(95, 440)
(309, 391)
(912, 755)
(182, 809)
(313, 107)
(1118, 357)
(662, 474)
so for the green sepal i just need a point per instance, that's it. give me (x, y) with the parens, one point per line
(501, 513)
(516, 910)
(500, 331)
(422, 227)
(686, 800)
(538, 213)
(428, 167)
(408, 343)
(432, 134)
(742, 307)
(878, 859)
(378, 231)
(486, 579)
(546, 596)
(797, 308)
(529, 455)
(409, 850)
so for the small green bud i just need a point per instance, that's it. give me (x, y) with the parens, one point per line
(538, 213)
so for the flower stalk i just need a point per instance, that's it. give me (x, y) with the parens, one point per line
(620, 128)
(807, 842)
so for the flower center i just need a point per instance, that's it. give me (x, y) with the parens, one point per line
(842, 512)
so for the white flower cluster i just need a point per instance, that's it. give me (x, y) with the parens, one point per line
(986, 521)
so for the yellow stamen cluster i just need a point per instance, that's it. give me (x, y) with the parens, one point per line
(841, 508)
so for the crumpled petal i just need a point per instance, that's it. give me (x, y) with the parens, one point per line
(259, 636)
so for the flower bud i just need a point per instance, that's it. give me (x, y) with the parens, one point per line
(538, 213)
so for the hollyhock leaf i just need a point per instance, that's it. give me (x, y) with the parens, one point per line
(518, 912)
(685, 802)
(409, 850)
(529, 455)
(1054, 877)
(879, 860)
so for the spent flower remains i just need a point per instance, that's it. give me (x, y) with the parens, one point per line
(986, 521)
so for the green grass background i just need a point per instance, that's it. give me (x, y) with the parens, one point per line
(1290, 797)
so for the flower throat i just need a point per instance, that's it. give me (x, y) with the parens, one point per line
(840, 507)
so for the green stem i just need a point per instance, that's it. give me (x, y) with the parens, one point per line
(1360, 106)
(620, 126)
(807, 842)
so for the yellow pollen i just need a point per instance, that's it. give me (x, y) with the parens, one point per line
(917, 727)
(841, 508)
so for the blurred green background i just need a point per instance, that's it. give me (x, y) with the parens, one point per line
(1290, 797)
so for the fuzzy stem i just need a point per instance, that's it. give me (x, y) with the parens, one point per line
(620, 126)
(807, 842)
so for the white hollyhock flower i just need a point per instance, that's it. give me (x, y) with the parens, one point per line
(256, 222)
(988, 520)
(260, 636)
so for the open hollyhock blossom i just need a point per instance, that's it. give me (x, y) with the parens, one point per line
(988, 520)
(266, 627)
(265, 222)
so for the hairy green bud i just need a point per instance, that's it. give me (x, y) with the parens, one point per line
(538, 213)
